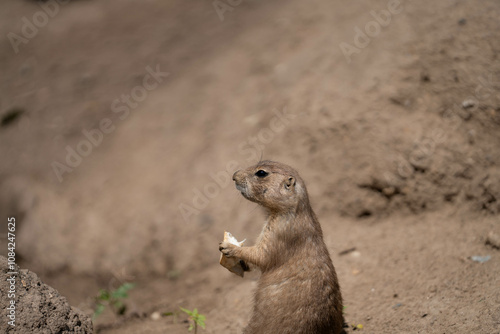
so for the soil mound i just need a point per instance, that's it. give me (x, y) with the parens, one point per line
(38, 307)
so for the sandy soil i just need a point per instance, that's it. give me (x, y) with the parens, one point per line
(121, 123)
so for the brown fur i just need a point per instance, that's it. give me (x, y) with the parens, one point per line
(298, 291)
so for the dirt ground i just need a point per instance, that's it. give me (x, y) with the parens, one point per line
(122, 121)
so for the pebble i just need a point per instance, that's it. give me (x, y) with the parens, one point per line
(480, 259)
(468, 104)
(493, 240)
(155, 315)
(398, 305)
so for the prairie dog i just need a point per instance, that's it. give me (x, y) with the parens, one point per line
(298, 291)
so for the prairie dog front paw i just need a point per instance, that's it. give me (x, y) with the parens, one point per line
(227, 248)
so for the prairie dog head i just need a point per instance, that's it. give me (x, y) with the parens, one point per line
(273, 185)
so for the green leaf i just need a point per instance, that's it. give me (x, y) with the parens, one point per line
(98, 310)
(200, 322)
(186, 311)
(196, 318)
(122, 291)
(103, 294)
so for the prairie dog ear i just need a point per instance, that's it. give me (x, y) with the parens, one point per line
(290, 183)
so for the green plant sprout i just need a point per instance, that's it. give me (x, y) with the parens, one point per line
(195, 319)
(114, 299)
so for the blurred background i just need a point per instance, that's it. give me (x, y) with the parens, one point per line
(123, 121)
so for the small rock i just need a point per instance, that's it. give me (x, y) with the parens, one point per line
(480, 259)
(155, 315)
(493, 240)
(398, 305)
(468, 104)
(389, 191)
(347, 251)
(462, 21)
(420, 161)
(355, 254)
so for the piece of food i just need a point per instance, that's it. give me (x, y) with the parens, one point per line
(233, 264)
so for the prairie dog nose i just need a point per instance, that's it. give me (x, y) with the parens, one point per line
(234, 175)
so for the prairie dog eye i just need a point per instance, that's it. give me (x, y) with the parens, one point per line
(261, 173)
